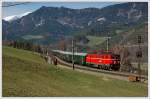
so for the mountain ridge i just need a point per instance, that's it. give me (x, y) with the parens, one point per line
(58, 22)
(15, 17)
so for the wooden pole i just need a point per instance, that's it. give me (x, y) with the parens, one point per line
(107, 44)
(139, 57)
(73, 53)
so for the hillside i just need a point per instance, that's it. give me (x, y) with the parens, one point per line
(94, 41)
(54, 23)
(128, 39)
(26, 74)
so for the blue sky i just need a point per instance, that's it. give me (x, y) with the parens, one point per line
(30, 7)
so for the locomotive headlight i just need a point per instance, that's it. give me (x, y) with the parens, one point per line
(100, 61)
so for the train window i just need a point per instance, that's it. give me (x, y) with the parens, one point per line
(109, 56)
(100, 56)
(103, 56)
(106, 56)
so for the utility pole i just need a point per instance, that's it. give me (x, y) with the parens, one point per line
(139, 56)
(108, 42)
(73, 53)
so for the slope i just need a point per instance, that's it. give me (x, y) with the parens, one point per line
(26, 74)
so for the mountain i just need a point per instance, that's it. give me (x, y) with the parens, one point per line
(51, 24)
(15, 17)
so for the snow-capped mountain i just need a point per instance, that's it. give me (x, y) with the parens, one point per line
(15, 17)
(61, 21)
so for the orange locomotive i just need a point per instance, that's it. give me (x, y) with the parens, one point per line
(106, 61)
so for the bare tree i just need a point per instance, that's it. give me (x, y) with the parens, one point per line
(62, 45)
(125, 60)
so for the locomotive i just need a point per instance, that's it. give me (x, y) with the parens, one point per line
(106, 60)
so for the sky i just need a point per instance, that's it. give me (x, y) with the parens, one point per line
(30, 7)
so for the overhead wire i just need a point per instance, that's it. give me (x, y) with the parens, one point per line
(10, 5)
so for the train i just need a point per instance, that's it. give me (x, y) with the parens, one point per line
(105, 60)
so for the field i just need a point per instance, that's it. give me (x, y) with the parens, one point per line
(93, 40)
(26, 74)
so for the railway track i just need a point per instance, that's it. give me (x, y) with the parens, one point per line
(114, 73)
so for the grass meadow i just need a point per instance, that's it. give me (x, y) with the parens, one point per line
(25, 73)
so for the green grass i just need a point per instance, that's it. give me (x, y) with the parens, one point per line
(144, 66)
(93, 40)
(22, 54)
(27, 74)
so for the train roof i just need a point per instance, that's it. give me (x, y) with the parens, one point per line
(70, 53)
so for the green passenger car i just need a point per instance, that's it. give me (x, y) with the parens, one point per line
(79, 58)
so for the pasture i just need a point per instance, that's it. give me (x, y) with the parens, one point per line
(25, 73)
